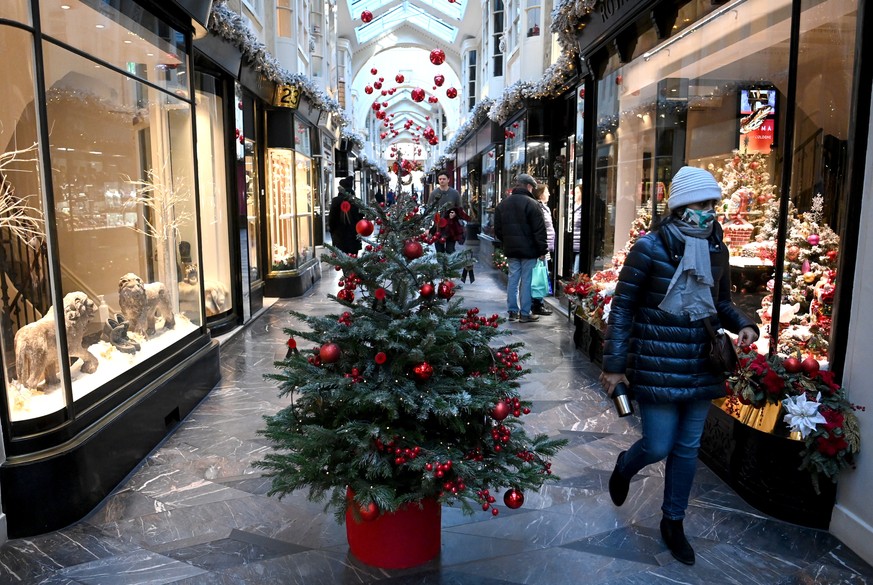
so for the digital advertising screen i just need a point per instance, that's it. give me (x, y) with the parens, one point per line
(757, 119)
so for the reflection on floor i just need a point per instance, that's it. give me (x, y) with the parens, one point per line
(196, 511)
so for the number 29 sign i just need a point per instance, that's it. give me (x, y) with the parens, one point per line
(287, 96)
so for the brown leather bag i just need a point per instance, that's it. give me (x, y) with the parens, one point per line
(722, 352)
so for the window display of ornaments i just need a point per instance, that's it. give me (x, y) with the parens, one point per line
(437, 57)
(36, 354)
(366, 16)
(142, 302)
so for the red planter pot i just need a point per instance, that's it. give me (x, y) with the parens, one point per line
(397, 540)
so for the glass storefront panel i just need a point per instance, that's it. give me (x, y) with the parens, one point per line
(123, 174)
(490, 190)
(515, 149)
(123, 35)
(304, 175)
(214, 228)
(24, 269)
(280, 208)
(16, 10)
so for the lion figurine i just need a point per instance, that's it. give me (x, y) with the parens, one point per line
(36, 355)
(140, 302)
(216, 295)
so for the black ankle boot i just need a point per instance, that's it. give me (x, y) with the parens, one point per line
(674, 537)
(618, 484)
(464, 275)
(472, 277)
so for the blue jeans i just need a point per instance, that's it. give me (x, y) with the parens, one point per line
(670, 430)
(518, 285)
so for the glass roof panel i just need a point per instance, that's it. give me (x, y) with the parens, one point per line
(394, 17)
(453, 10)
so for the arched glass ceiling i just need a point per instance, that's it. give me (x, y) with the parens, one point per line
(404, 12)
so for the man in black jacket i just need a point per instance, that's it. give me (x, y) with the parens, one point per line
(519, 224)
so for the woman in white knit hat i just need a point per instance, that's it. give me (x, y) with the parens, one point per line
(674, 278)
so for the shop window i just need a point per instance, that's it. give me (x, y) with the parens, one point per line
(497, 42)
(516, 155)
(471, 79)
(284, 19)
(126, 37)
(534, 11)
(214, 228)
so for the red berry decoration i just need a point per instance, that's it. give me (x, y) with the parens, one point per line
(513, 499)
(500, 411)
(791, 365)
(366, 16)
(417, 94)
(452, 93)
(810, 366)
(399, 78)
(446, 289)
(329, 353)
(437, 57)
(369, 512)
(364, 227)
(426, 290)
(412, 250)
(422, 372)
(438, 80)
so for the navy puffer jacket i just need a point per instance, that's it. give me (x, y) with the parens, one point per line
(665, 355)
(519, 224)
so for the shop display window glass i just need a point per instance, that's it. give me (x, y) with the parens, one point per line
(214, 228)
(515, 148)
(122, 35)
(25, 291)
(15, 10)
(490, 190)
(715, 97)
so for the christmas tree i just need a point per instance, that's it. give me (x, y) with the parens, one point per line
(747, 193)
(401, 396)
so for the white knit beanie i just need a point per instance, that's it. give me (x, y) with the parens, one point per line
(692, 185)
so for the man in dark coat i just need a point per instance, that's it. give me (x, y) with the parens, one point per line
(519, 225)
(344, 215)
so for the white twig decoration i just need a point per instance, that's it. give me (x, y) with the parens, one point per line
(167, 200)
(24, 221)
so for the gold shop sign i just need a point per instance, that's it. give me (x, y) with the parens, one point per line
(287, 96)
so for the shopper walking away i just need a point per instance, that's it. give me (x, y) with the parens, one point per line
(674, 278)
(344, 215)
(541, 194)
(519, 225)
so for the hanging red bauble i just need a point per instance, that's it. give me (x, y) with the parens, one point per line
(384, 92)
(439, 80)
(422, 372)
(374, 71)
(446, 289)
(412, 250)
(369, 512)
(500, 411)
(368, 89)
(791, 365)
(810, 365)
(366, 16)
(437, 57)
(582, 93)
(329, 353)
(426, 290)
(432, 99)
(239, 105)
(364, 227)
(399, 78)
(452, 93)
(417, 94)
(513, 499)
(242, 139)
(377, 84)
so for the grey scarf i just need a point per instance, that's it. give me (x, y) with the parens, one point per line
(690, 291)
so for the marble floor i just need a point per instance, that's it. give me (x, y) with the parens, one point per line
(196, 511)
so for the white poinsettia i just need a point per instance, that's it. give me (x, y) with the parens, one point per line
(803, 414)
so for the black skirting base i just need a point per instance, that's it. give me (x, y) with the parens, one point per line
(51, 489)
(762, 469)
(588, 340)
(293, 284)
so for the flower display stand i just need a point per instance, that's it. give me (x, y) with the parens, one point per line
(763, 469)
(396, 540)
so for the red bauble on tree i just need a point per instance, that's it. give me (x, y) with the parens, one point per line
(437, 57)
(422, 372)
(369, 512)
(452, 93)
(412, 250)
(438, 80)
(513, 499)
(364, 227)
(426, 290)
(417, 94)
(446, 289)
(329, 353)
(366, 16)
(501, 411)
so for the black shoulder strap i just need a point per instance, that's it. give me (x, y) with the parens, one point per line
(709, 328)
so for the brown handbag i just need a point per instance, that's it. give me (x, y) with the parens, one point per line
(722, 352)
